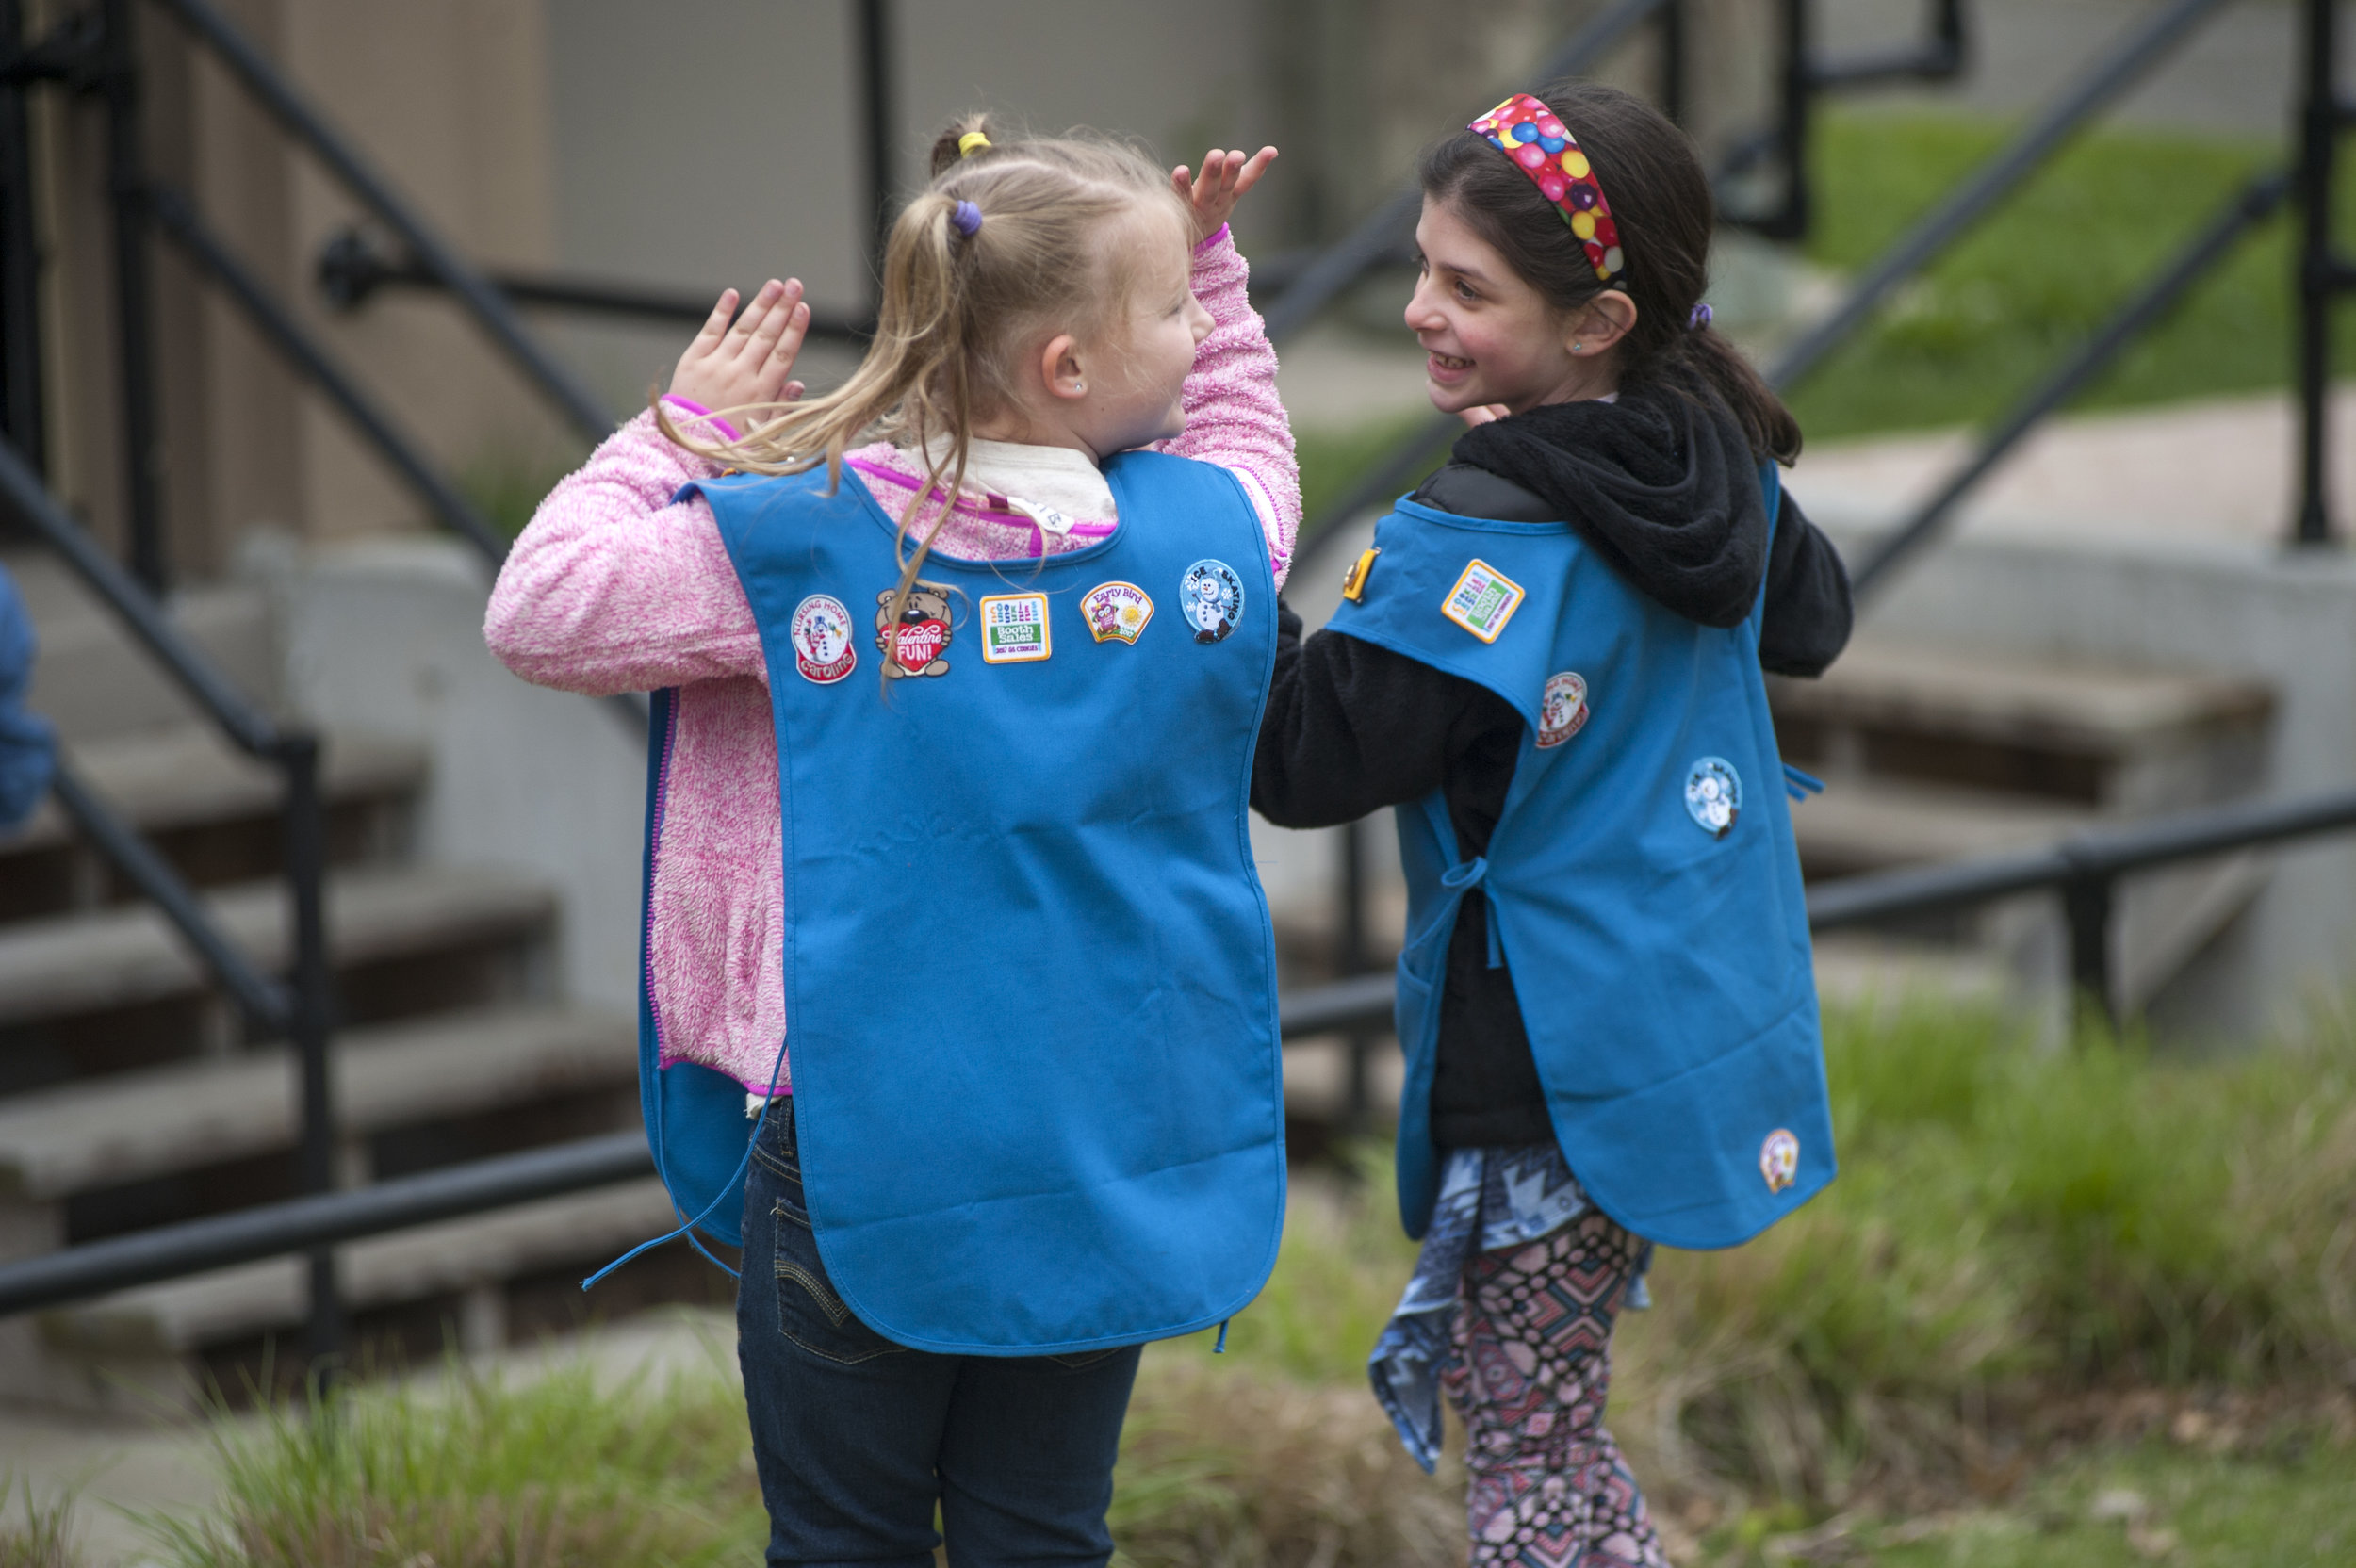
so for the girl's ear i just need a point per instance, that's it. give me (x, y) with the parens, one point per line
(1059, 368)
(1601, 322)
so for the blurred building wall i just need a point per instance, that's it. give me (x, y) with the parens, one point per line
(450, 97)
(695, 144)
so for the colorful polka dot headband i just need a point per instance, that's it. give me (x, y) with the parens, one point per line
(1525, 130)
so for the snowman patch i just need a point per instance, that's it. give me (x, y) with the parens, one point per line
(1563, 709)
(821, 634)
(1779, 1160)
(1212, 596)
(1714, 795)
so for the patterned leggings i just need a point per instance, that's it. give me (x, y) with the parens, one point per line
(1548, 1488)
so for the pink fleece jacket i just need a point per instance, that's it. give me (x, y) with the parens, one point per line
(612, 588)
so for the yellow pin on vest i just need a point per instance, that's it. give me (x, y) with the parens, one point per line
(1355, 580)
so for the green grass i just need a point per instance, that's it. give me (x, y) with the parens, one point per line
(479, 1472)
(2116, 1508)
(35, 1531)
(2039, 276)
(1941, 1360)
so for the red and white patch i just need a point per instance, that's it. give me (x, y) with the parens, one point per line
(917, 643)
(821, 634)
(1563, 709)
(1779, 1160)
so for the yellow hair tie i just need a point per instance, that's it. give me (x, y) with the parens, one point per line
(970, 142)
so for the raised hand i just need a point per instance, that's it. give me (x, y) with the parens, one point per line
(748, 361)
(1212, 194)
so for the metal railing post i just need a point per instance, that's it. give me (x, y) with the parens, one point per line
(1672, 62)
(126, 181)
(20, 262)
(306, 871)
(875, 108)
(1798, 112)
(2086, 905)
(2318, 282)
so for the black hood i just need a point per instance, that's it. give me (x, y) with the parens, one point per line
(1661, 483)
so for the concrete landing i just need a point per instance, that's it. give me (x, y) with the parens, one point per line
(2214, 470)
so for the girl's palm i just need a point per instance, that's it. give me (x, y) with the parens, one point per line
(750, 361)
(1225, 178)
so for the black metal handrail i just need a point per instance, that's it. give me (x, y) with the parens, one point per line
(269, 87)
(2083, 868)
(2249, 206)
(272, 1229)
(2143, 46)
(300, 1008)
(2324, 275)
(1939, 56)
(350, 269)
(1346, 260)
(295, 344)
(2129, 59)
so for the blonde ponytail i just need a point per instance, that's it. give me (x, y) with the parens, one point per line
(956, 310)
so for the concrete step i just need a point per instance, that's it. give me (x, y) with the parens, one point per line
(2119, 739)
(60, 965)
(1862, 824)
(1866, 824)
(92, 679)
(179, 1316)
(185, 775)
(75, 1137)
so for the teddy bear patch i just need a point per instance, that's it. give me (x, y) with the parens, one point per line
(914, 644)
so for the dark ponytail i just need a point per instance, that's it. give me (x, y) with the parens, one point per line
(1661, 201)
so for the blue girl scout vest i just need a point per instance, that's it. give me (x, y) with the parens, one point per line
(1642, 883)
(1030, 980)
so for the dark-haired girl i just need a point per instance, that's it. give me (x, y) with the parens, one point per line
(1551, 663)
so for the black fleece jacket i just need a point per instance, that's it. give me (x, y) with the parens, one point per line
(1661, 485)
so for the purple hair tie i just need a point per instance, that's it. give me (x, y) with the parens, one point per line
(968, 218)
(1699, 319)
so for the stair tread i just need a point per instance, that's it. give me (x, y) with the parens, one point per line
(408, 1265)
(1865, 823)
(2060, 704)
(97, 1132)
(94, 678)
(119, 955)
(179, 775)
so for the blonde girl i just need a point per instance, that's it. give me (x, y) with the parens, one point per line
(950, 904)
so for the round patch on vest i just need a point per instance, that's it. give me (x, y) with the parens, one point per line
(1779, 1160)
(1212, 596)
(821, 634)
(1563, 711)
(1714, 795)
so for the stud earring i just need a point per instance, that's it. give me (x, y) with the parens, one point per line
(1577, 349)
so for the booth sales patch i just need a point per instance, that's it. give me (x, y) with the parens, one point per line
(1483, 600)
(1014, 629)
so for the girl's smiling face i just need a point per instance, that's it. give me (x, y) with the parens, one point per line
(1489, 337)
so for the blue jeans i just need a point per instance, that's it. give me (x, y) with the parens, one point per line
(858, 1439)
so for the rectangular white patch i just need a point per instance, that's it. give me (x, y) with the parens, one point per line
(1015, 629)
